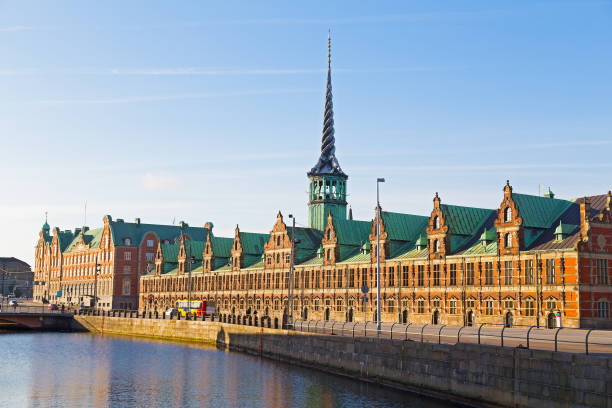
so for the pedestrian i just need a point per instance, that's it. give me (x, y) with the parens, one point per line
(62, 308)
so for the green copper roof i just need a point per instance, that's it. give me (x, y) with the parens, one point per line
(253, 243)
(464, 220)
(352, 232)
(404, 227)
(136, 232)
(413, 253)
(221, 246)
(480, 249)
(91, 237)
(539, 212)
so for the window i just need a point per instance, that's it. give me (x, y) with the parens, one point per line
(508, 240)
(602, 272)
(339, 305)
(436, 245)
(317, 304)
(127, 269)
(488, 273)
(127, 256)
(550, 271)
(452, 274)
(551, 304)
(469, 274)
(452, 306)
(436, 303)
(351, 278)
(508, 214)
(269, 260)
(391, 277)
(278, 241)
(149, 243)
(276, 304)
(529, 307)
(508, 273)
(470, 303)
(603, 308)
(436, 275)
(127, 286)
(329, 237)
(288, 258)
(420, 305)
(391, 305)
(529, 272)
(489, 306)
(421, 275)
(149, 256)
(127, 241)
(509, 303)
(277, 258)
(405, 276)
(329, 255)
(436, 222)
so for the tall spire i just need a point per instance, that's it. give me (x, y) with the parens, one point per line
(328, 163)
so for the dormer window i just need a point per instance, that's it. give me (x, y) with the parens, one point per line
(127, 241)
(436, 222)
(508, 240)
(508, 214)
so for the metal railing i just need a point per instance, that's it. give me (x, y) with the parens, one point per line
(588, 341)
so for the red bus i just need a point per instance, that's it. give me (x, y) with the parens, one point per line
(197, 307)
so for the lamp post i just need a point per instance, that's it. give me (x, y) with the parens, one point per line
(96, 270)
(378, 181)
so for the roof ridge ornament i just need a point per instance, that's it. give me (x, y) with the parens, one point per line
(328, 163)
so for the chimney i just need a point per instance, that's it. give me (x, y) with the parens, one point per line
(137, 221)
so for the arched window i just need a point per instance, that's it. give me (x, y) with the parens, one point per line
(278, 240)
(508, 240)
(436, 222)
(329, 255)
(329, 234)
(436, 245)
(508, 214)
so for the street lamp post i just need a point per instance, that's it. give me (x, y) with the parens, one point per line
(378, 214)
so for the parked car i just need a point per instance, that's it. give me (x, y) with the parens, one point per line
(52, 306)
(13, 303)
(171, 312)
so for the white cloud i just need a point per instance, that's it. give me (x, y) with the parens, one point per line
(160, 182)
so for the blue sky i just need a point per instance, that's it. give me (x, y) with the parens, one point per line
(203, 111)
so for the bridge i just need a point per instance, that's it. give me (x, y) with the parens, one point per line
(36, 317)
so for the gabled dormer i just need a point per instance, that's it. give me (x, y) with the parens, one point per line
(182, 256)
(329, 243)
(278, 248)
(237, 261)
(384, 242)
(208, 256)
(159, 260)
(437, 232)
(509, 225)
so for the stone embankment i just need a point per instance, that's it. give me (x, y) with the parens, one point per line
(478, 375)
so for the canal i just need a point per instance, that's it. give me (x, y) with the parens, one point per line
(86, 370)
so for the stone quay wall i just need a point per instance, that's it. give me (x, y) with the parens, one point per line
(476, 375)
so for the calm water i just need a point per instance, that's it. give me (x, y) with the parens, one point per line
(83, 370)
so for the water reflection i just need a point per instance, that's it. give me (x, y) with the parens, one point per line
(76, 370)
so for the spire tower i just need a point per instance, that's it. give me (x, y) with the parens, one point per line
(327, 180)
